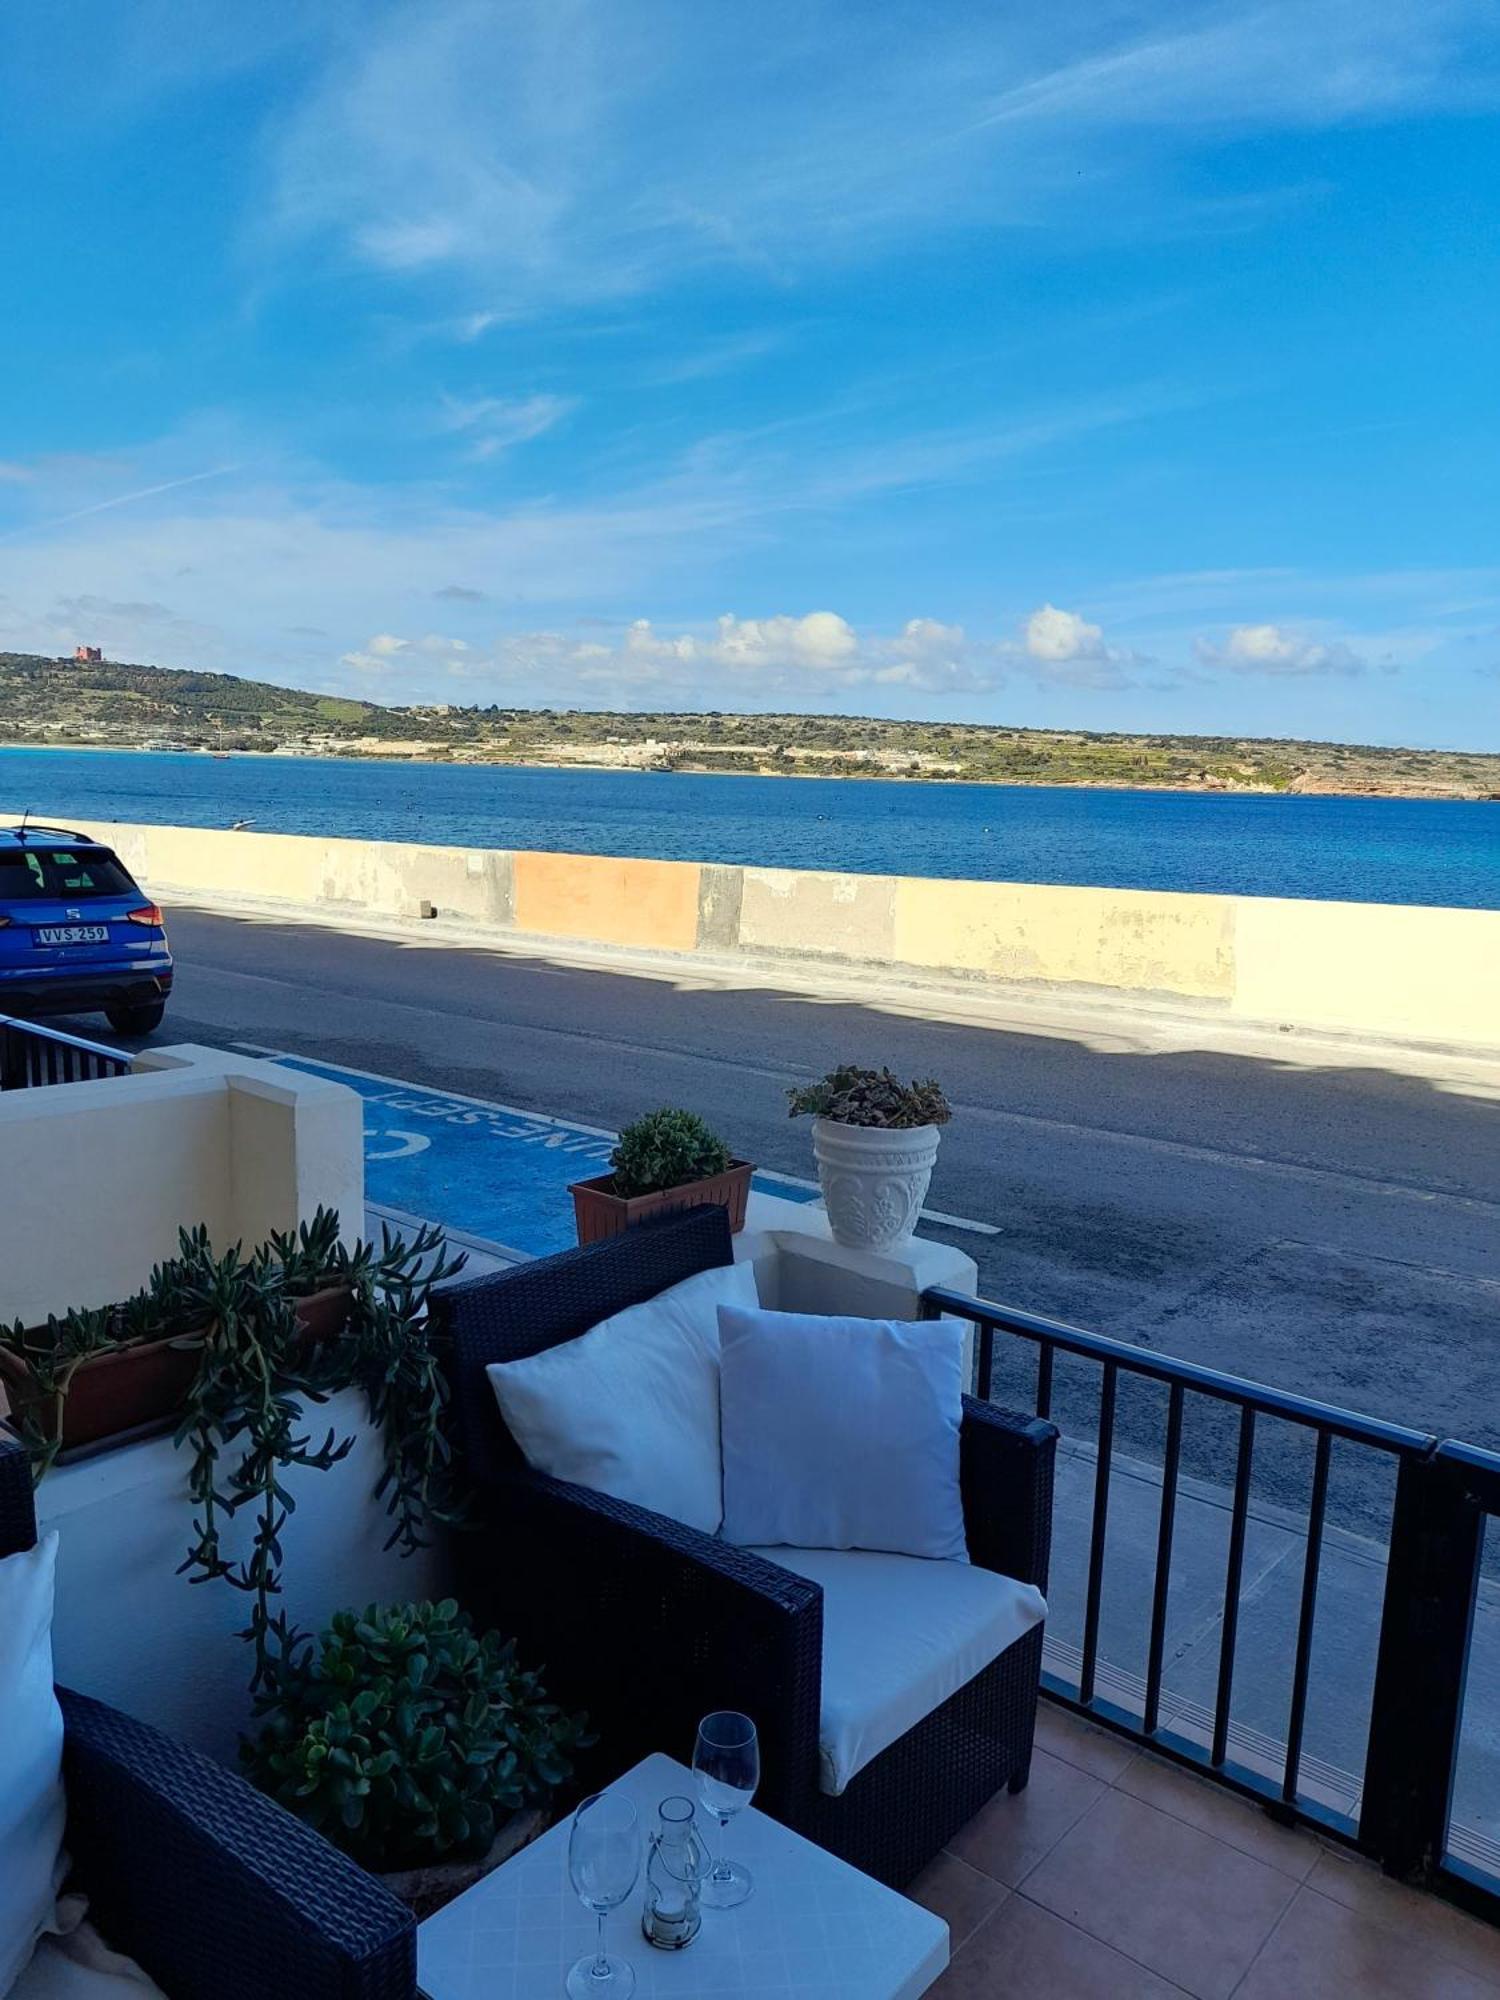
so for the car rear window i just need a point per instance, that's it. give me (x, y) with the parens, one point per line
(43, 874)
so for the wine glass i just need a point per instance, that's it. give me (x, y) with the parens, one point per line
(604, 1860)
(726, 1759)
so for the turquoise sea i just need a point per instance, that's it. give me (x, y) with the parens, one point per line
(1361, 850)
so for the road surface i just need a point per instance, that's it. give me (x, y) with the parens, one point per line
(1314, 1215)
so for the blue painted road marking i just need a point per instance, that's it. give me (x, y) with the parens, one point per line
(484, 1168)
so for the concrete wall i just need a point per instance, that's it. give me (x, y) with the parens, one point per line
(99, 1177)
(1426, 975)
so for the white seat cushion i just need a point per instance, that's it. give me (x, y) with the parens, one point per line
(631, 1408)
(31, 1740)
(900, 1634)
(78, 1965)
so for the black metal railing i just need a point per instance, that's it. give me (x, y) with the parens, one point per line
(1443, 1493)
(31, 1055)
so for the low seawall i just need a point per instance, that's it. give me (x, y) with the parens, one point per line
(1394, 970)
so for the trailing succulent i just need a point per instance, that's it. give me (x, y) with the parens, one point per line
(666, 1149)
(874, 1098)
(409, 1738)
(258, 1367)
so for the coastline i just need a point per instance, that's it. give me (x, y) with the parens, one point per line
(358, 759)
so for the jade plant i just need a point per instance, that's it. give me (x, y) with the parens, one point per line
(873, 1098)
(666, 1149)
(410, 1738)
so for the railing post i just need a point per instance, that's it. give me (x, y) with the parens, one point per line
(1437, 1535)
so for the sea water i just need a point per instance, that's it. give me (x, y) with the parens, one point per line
(1444, 852)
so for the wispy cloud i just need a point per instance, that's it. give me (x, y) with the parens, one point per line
(120, 500)
(493, 424)
(586, 149)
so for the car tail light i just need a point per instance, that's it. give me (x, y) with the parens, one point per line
(148, 913)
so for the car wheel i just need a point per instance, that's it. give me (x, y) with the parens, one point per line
(141, 1020)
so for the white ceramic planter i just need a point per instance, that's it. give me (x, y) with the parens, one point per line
(873, 1182)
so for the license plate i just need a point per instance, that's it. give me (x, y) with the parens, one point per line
(72, 934)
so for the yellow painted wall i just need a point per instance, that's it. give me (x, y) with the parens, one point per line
(649, 903)
(1382, 968)
(1130, 939)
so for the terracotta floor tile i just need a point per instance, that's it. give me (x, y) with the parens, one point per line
(1166, 1894)
(962, 1896)
(1010, 1836)
(1026, 1953)
(1097, 1751)
(1208, 1806)
(1322, 1950)
(1360, 1886)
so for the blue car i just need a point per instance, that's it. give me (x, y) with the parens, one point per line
(77, 936)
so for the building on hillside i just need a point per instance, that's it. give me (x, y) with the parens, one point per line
(89, 656)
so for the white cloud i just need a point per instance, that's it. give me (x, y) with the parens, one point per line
(809, 657)
(1068, 651)
(1055, 635)
(1273, 650)
(386, 644)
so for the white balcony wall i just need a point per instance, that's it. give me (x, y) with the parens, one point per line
(99, 1177)
(128, 1629)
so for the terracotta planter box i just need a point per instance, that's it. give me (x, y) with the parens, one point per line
(601, 1212)
(136, 1389)
(128, 1389)
(324, 1314)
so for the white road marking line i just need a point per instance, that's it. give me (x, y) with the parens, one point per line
(570, 1125)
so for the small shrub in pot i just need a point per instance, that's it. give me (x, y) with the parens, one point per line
(670, 1159)
(666, 1149)
(875, 1139)
(410, 1740)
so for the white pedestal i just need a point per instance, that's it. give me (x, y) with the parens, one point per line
(799, 1267)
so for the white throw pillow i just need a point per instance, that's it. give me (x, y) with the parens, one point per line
(631, 1408)
(32, 1811)
(842, 1433)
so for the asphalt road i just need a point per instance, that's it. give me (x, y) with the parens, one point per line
(1318, 1217)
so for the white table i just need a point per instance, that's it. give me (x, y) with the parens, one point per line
(815, 1928)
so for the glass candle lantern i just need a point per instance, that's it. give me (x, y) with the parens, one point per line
(675, 1866)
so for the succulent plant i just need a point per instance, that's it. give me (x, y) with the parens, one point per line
(666, 1149)
(874, 1098)
(410, 1738)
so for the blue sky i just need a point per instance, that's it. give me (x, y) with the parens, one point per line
(1111, 366)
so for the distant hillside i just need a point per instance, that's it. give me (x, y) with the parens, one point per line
(106, 703)
(45, 700)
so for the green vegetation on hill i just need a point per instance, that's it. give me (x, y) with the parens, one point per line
(71, 702)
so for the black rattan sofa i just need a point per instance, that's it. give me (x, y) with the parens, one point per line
(648, 1624)
(214, 1890)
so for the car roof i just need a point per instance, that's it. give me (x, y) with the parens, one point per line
(35, 832)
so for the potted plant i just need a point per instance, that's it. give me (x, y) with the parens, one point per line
(664, 1161)
(124, 1370)
(256, 1339)
(417, 1745)
(875, 1139)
